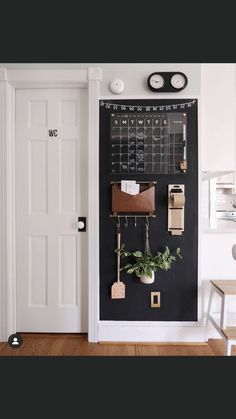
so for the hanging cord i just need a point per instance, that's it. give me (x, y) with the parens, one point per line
(118, 223)
(147, 246)
(118, 237)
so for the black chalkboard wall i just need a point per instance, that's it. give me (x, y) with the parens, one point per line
(178, 286)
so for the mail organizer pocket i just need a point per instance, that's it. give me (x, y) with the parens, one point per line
(143, 202)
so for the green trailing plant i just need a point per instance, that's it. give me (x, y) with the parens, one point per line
(146, 263)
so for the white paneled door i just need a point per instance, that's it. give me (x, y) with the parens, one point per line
(51, 192)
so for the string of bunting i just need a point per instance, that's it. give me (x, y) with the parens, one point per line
(149, 108)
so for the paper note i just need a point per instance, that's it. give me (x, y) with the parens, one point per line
(130, 187)
(124, 186)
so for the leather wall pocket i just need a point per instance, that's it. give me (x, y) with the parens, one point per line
(144, 202)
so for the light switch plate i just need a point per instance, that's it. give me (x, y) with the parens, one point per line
(155, 299)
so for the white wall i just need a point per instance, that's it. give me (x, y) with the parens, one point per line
(135, 79)
(218, 94)
(2, 293)
(217, 261)
(218, 146)
(134, 76)
(215, 256)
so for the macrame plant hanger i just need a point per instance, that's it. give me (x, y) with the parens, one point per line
(147, 245)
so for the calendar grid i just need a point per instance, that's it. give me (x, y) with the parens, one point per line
(148, 142)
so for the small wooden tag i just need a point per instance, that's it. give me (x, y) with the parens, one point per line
(118, 290)
(183, 165)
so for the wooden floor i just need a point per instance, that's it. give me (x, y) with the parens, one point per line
(39, 344)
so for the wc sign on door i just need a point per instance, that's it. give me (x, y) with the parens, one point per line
(52, 133)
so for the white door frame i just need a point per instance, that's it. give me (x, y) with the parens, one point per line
(10, 80)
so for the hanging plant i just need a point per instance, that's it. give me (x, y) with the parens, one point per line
(145, 264)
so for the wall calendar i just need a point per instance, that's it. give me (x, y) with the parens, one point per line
(148, 143)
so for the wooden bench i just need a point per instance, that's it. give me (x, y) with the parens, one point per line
(225, 289)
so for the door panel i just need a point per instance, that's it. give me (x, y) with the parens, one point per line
(68, 271)
(38, 177)
(38, 271)
(67, 176)
(51, 192)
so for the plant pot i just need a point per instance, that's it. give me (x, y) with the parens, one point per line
(145, 279)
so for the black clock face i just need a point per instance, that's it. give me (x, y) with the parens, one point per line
(167, 81)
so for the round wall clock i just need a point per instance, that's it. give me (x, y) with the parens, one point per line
(179, 81)
(155, 81)
(167, 81)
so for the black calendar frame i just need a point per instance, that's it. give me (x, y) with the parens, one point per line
(148, 142)
(179, 286)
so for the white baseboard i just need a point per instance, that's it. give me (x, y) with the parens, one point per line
(114, 331)
(110, 331)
